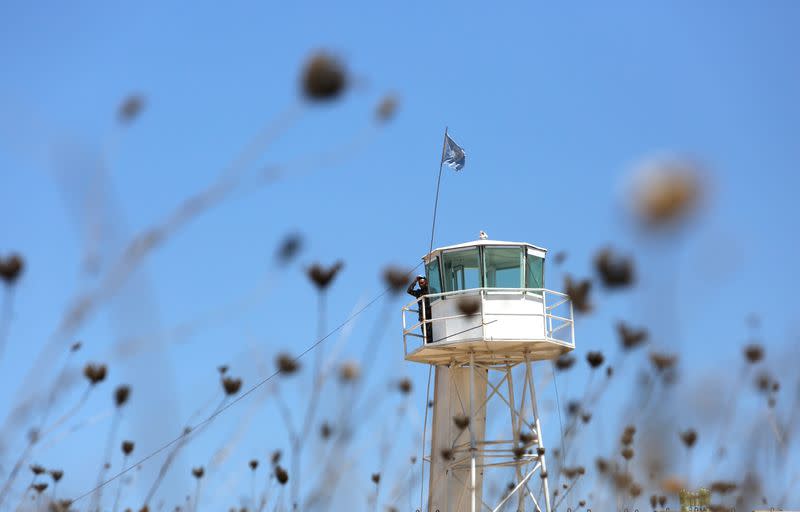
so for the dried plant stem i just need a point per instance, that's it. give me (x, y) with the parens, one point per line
(313, 402)
(34, 438)
(119, 484)
(5, 317)
(729, 411)
(70, 413)
(25, 494)
(566, 492)
(253, 488)
(15, 471)
(97, 498)
(196, 494)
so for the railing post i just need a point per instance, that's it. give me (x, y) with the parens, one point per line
(572, 323)
(405, 345)
(483, 317)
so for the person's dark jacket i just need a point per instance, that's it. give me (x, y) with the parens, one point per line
(426, 303)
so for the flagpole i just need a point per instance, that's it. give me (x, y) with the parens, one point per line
(438, 183)
(430, 249)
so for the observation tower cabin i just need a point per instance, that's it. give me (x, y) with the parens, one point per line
(487, 298)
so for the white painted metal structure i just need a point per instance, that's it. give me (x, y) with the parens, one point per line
(491, 318)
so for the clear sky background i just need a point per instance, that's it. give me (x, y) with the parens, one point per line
(555, 108)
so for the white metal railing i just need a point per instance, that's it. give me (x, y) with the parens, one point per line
(558, 324)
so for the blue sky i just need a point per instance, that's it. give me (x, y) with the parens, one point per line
(555, 108)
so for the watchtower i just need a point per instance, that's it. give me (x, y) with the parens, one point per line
(490, 319)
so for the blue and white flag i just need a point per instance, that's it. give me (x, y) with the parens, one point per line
(454, 155)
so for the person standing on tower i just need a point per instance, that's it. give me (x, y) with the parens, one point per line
(422, 291)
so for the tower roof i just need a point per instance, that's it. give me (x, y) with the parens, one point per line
(479, 243)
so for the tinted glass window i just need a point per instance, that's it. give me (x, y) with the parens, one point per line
(434, 279)
(461, 270)
(534, 271)
(503, 267)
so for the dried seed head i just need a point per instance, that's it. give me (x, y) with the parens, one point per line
(594, 359)
(446, 453)
(469, 305)
(609, 371)
(573, 407)
(635, 490)
(289, 248)
(665, 192)
(75, 346)
(95, 372)
(61, 506)
(37, 469)
(570, 473)
(689, 437)
(11, 268)
(540, 451)
(582, 503)
(662, 500)
(376, 478)
(121, 395)
(763, 382)
(622, 480)
(629, 337)
(663, 362)
(287, 364)
(653, 500)
(615, 271)
(222, 369)
(396, 278)
(754, 353)
(322, 277)
(627, 453)
(127, 447)
(560, 257)
(253, 464)
(324, 77)
(601, 464)
(40, 487)
(461, 421)
(281, 475)
(130, 108)
(578, 292)
(325, 430)
(527, 438)
(722, 487)
(349, 371)
(231, 385)
(404, 385)
(565, 362)
(386, 108)
(56, 474)
(586, 417)
(275, 457)
(198, 472)
(518, 452)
